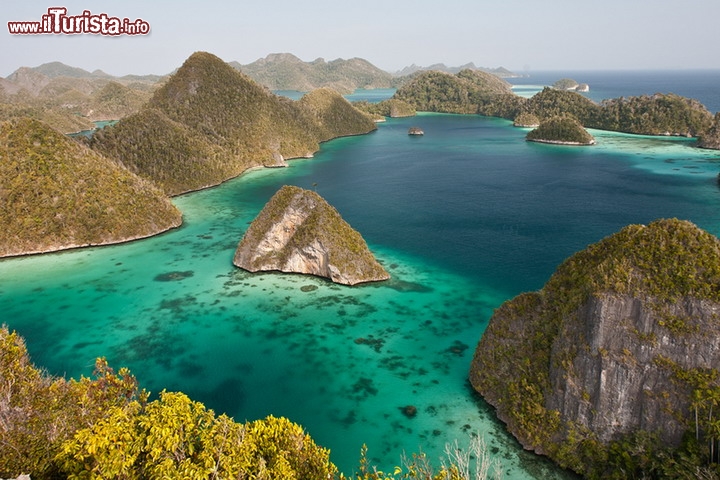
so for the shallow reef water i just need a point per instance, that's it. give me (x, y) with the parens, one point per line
(463, 219)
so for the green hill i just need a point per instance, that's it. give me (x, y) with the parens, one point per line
(209, 123)
(57, 194)
(284, 71)
(563, 129)
(551, 102)
(464, 92)
(657, 114)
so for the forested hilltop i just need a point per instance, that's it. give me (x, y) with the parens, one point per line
(470, 92)
(57, 194)
(209, 123)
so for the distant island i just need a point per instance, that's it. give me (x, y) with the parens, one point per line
(570, 84)
(71, 99)
(284, 71)
(471, 92)
(561, 130)
(501, 72)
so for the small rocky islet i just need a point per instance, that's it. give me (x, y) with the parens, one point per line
(299, 232)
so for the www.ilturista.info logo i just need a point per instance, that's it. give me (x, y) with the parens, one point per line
(57, 21)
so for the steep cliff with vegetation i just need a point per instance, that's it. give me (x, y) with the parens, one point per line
(618, 353)
(463, 92)
(299, 232)
(711, 137)
(57, 194)
(562, 130)
(209, 123)
(284, 71)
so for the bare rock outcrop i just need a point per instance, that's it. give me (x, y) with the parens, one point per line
(298, 231)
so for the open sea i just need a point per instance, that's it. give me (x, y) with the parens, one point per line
(464, 218)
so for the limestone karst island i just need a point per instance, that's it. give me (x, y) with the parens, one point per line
(299, 232)
(610, 370)
(617, 353)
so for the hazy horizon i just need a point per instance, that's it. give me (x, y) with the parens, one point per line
(522, 35)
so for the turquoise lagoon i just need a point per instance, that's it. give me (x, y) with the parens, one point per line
(463, 218)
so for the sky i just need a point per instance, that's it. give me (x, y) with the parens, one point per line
(521, 35)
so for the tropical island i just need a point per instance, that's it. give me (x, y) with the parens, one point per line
(471, 92)
(186, 137)
(570, 84)
(617, 353)
(561, 130)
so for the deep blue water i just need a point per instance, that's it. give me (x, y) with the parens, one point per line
(464, 218)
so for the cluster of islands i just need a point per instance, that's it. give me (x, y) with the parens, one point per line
(616, 355)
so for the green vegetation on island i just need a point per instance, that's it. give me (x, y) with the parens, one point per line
(284, 71)
(333, 116)
(57, 194)
(472, 92)
(391, 107)
(564, 129)
(711, 137)
(526, 119)
(570, 84)
(70, 99)
(659, 114)
(463, 92)
(209, 123)
(551, 102)
(612, 368)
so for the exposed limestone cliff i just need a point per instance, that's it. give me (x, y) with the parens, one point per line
(621, 344)
(298, 231)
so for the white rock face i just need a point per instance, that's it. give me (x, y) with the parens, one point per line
(298, 232)
(617, 385)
